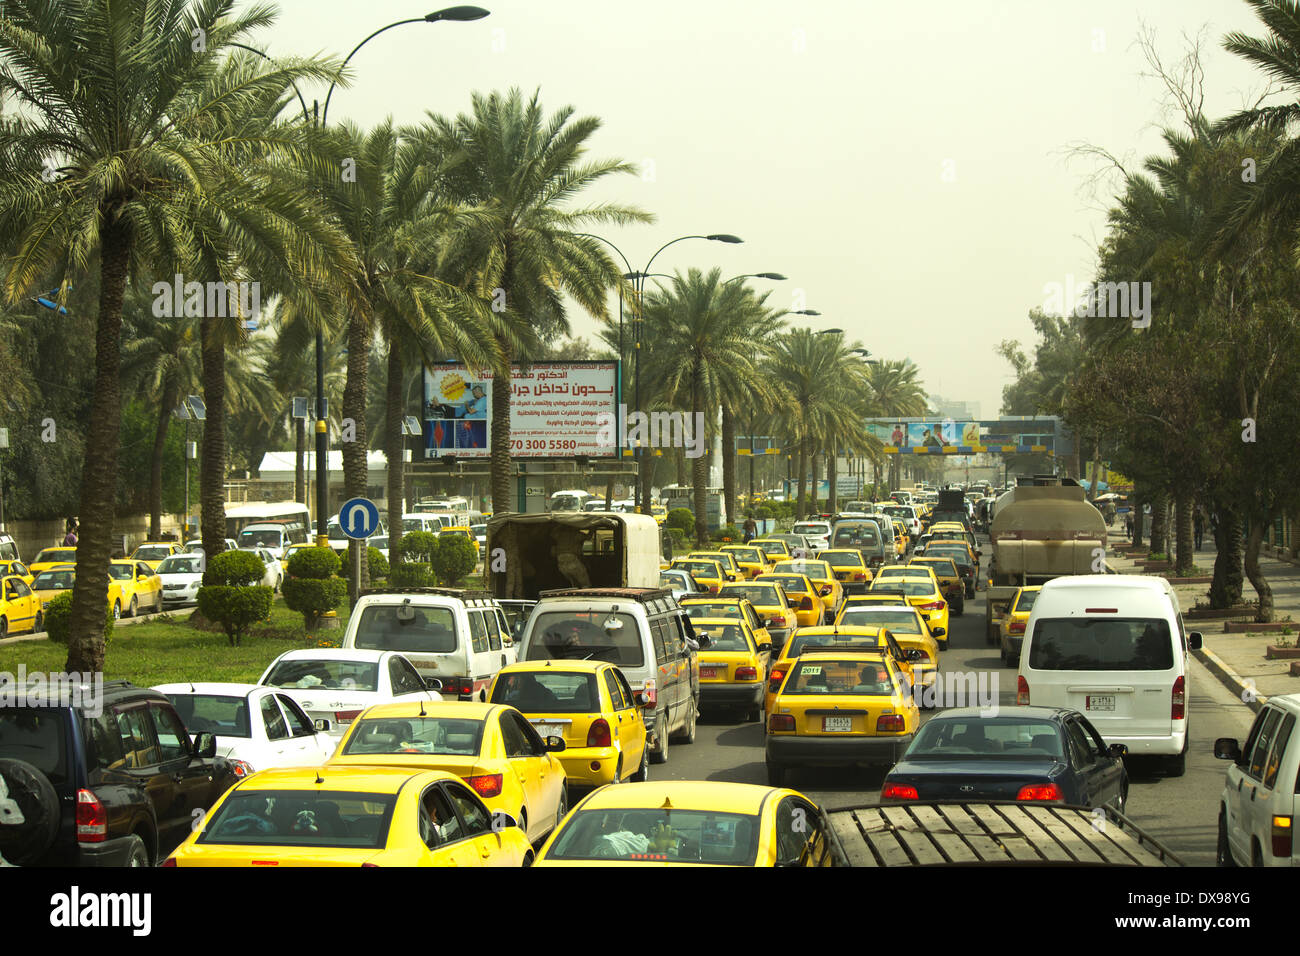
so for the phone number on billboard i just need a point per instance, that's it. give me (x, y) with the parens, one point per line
(542, 444)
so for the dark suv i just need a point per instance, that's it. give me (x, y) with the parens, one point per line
(119, 789)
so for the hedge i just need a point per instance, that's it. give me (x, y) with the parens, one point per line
(58, 614)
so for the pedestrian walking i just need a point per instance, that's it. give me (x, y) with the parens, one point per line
(1128, 525)
(751, 528)
(70, 539)
(1198, 528)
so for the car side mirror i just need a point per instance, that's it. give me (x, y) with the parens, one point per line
(939, 632)
(321, 725)
(205, 746)
(704, 641)
(825, 590)
(1227, 748)
(432, 683)
(553, 744)
(482, 695)
(915, 654)
(765, 646)
(502, 821)
(1117, 750)
(1195, 641)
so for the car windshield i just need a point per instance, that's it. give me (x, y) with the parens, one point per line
(36, 736)
(724, 637)
(315, 818)
(898, 512)
(694, 610)
(54, 580)
(771, 548)
(865, 615)
(587, 635)
(679, 836)
(260, 539)
(548, 692)
(1025, 602)
(1009, 737)
(856, 678)
(814, 570)
(307, 673)
(152, 554)
(56, 554)
(912, 587)
(181, 564)
(405, 627)
(803, 640)
(959, 558)
(943, 568)
(843, 560)
(748, 555)
(813, 528)
(673, 581)
(446, 736)
(759, 594)
(121, 572)
(1101, 644)
(218, 714)
(791, 583)
(700, 569)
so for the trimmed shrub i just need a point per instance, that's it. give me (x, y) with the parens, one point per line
(454, 558)
(58, 614)
(235, 608)
(411, 574)
(729, 534)
(419, 546)
(313, 587)
(234, 569)
(378, 564)
(678, 537)
(763, 513)
(682, 519)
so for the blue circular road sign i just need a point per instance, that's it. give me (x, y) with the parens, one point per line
(359, 518)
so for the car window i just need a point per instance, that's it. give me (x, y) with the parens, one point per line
(300, 724)
(138, 742)
(599, 635)
(473, 814)
(478, 632)
(424, 629)
(516, 743)
(1263, 742)
(1279, 750)
(534, 744)
(438, 822)
(403, 677)
(1081, 750)
(494, 635)
(37, 736)
(625, 687)
(1101, 644)
(615, 692)
(276, 728)
(791, 837)
(173, 741)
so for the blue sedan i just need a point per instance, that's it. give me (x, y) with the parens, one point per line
(1045, 754)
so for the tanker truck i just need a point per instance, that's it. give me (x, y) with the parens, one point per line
(1043, 528)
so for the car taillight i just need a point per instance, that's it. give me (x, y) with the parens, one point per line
(713, 589)
(899, 791)
(1022, 691)
(859, 576)
(778, 620)
(92, 819)
(598, 733)
(933, 606)
(1040, 791)
(1016, 627)
(1178, 700)
(460, 686)
(805, 604)
(170, 861)
(486, 785)
(779, 722)
(242, 768)
(1282, 837)
(346, 716)
(746, 673)
(651, 691)
(889, 723)
(774, 680)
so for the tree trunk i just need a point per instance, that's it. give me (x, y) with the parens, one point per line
(394, 443)
(1183, 535)
(831, 466)
(170, 395)
(1096, 468)
(355, 474)
(299, 469)
(729, 465)
(501, 463)
(99, 473)
(1135, 506)
(803, 479)
(1158, 531)
(1257, 579)
(1226, 588)
(212, 467)
(679, 460)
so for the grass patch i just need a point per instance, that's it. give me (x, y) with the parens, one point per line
(170, 650)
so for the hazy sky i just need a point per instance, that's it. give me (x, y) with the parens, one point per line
(903, 163)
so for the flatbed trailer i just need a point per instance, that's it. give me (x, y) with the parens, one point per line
(1000, 833)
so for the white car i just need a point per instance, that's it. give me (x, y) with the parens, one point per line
(257, 728)
(338, 684)
(274, 575)
(480, 535)
(182, 576)
(196, 545)
(1258, 806)
(817, 534)
(380, 543)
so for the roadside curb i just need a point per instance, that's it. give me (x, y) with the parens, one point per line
(1230, 679)
(179, 613)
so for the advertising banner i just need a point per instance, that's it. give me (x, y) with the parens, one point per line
(557, 410)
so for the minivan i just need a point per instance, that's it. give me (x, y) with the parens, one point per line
(644, 632)
(1258, 806)
(1114, 649)
(460, 637)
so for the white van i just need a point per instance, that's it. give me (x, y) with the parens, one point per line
(1113, 648)
(459, 637)
(1258, 806)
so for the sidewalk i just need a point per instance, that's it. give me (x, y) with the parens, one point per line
(1237, 660)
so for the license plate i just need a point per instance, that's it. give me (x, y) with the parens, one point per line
(712, 672)
(548, 730)
(834, 725)
(1099, 702)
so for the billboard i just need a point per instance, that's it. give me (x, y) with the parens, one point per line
(932, 434)
(556, 410)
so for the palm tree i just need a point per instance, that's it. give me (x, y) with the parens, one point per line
(121, 149)
(893, 391)
(523, 171)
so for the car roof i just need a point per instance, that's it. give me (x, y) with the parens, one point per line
(1084, 582)
(554, 665)
(841, 630)
(470, 710)
(332, 654)
(351, 778)
(965, 713)
(747, 798)
(216, 688)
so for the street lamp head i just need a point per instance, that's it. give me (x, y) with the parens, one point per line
(774, 276)
(831, 332)
(460, 14)
(806, 312)
(724, 237)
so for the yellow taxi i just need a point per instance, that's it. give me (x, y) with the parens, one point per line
(901, 541)
(850, 570)
(848, 637)
(352, 816)
(733, 666)
(493, 748)
(591, 706)
(690, 822)
(659, 513)
(727, 560)
(1012, 625)
(461, 531)
(839, 708)
(142, 589)
(728, 607)
(707, 572)
(751, 560)
(771, 605)
(908, 628)
(18, 569)
(874, 597)
(53, 581)
(20, 608)
(775, 549)
(923, 594)
(950, 582)
(153, 553)
(802, 595)
(49, 557)
(822, 576)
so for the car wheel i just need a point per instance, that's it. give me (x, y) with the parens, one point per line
(755, 714)
(24, 844)
(137, 854)
(775, 775)
(960, 609)
(561, 810)
(39, 624)
(1223, 854)
(1256, 855)
(135, 607)
(117, 610)
(687, 734)
(643, 772)
(4, 627)
(661, 732)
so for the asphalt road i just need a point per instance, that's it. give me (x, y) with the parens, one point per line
(1182, 812)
